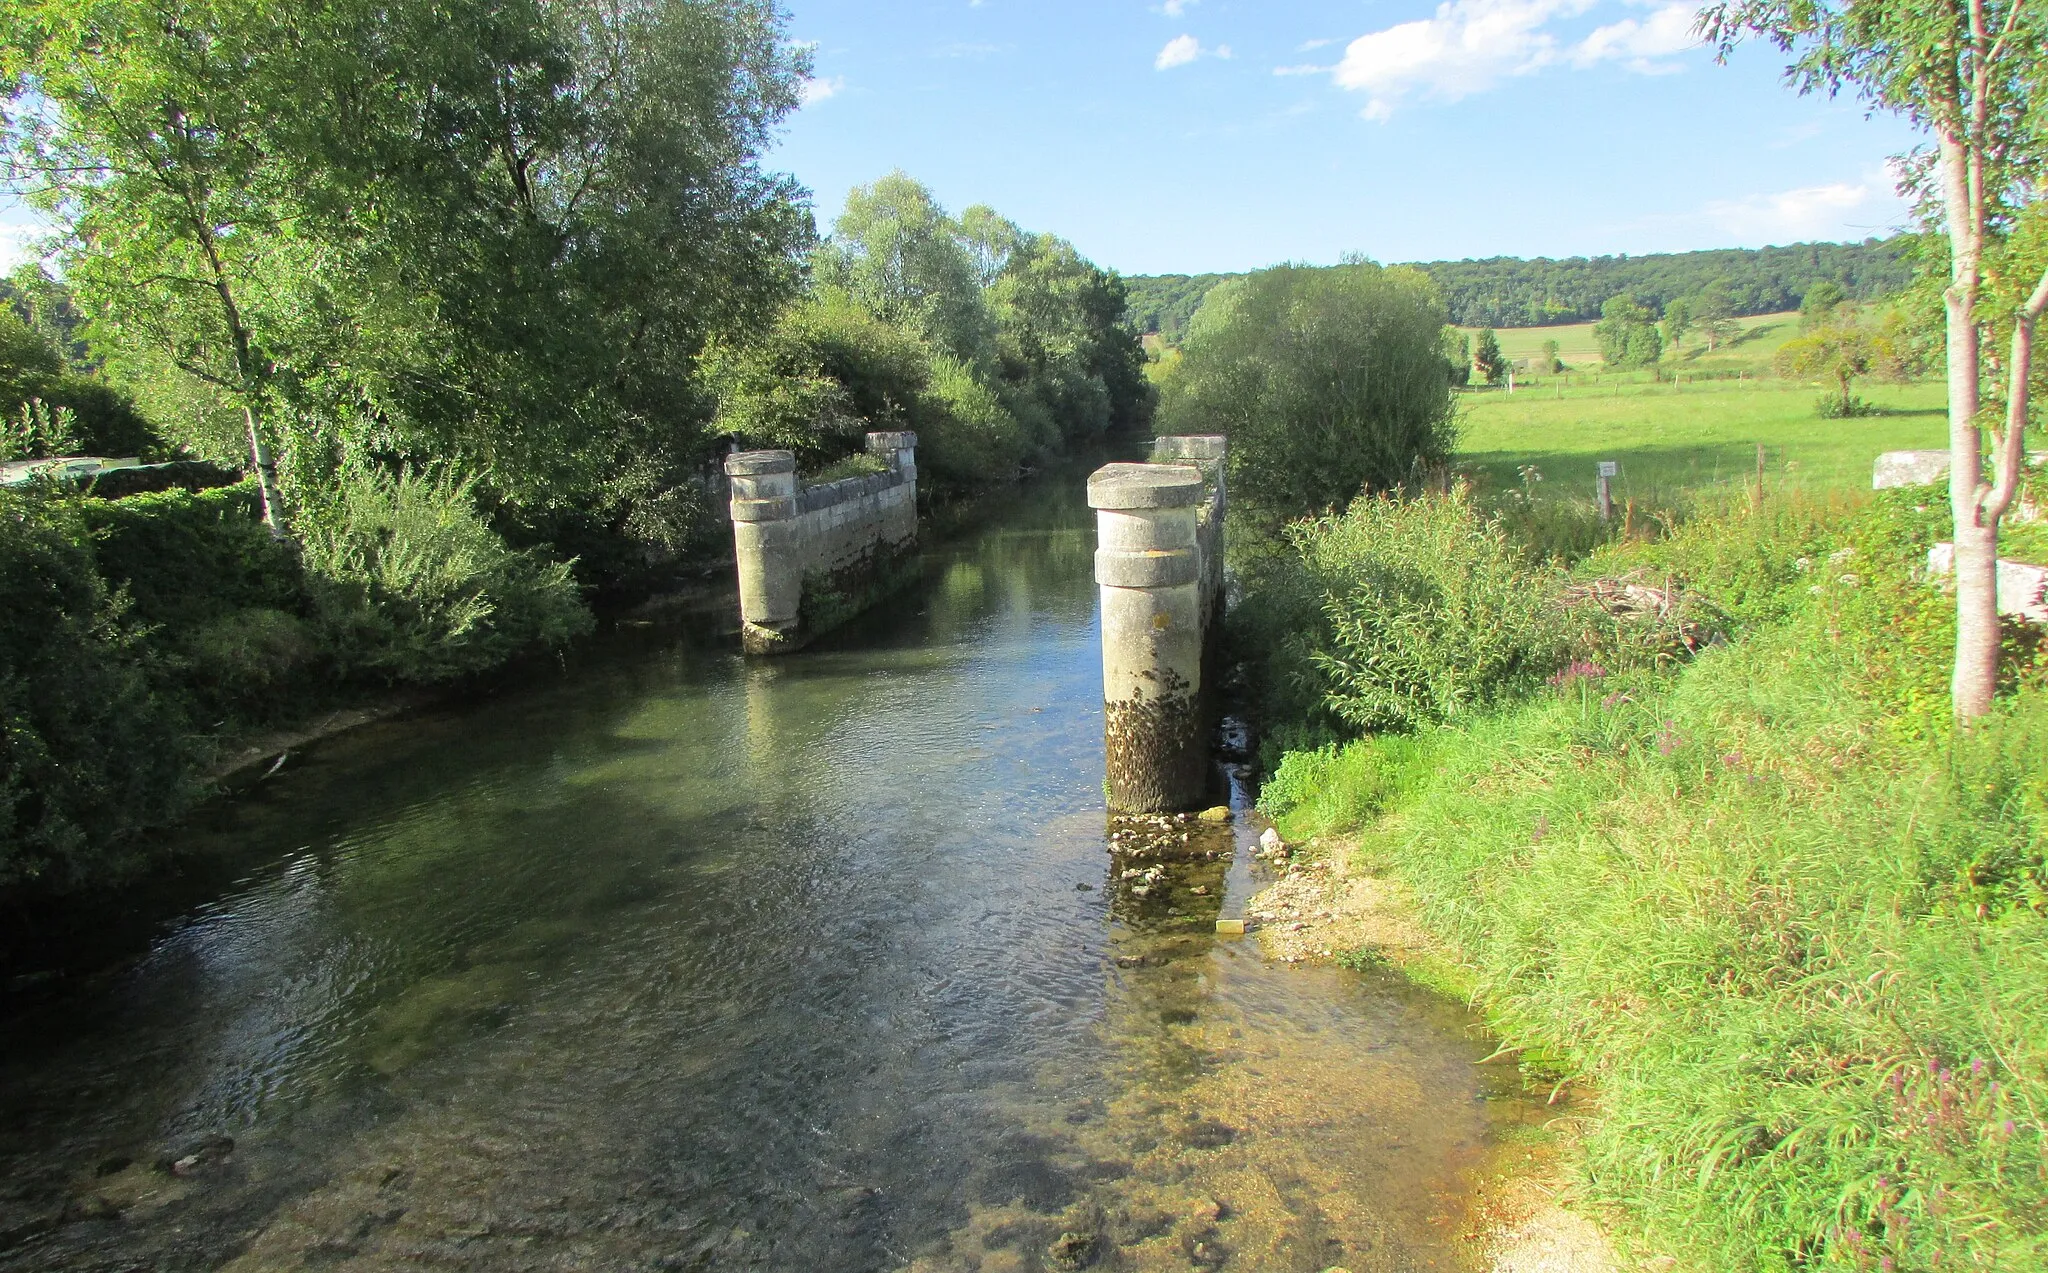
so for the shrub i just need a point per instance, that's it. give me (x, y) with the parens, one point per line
(88, 754)
(1429, 610)
(411, 585)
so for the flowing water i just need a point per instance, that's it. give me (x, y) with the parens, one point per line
(681, 961)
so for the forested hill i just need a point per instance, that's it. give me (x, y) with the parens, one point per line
(1508, 292)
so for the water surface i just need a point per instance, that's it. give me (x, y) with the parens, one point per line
(683, 961)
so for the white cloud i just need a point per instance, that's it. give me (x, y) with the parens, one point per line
(1174, 8)
(1303, 70)
(1810, 212)
(1179, 51)
(1469, 46)
(1310, 46)
(817, 90)
(1669, 30)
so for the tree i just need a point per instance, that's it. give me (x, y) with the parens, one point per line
(1328, 382)
(1677, 322)
(499, 241)
(1842, 351)
(1487, 358)
(1551, 361)
(1713, 310)
(1818, 306)
(895, 249)
(1628, 334)
(1457, 348)
(155, 158)
(1975, 76)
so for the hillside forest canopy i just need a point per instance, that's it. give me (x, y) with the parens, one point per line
(1509, 292)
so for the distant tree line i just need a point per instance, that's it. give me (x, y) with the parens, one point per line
(1508, 292)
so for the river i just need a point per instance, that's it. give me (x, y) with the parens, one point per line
(682, 961)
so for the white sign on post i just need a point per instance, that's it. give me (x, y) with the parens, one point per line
(1608, 468)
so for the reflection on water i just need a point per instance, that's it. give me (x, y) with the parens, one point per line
(685, 962)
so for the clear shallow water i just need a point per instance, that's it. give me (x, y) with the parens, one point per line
(688, 962)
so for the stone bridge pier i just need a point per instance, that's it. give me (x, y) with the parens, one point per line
(1159, 565)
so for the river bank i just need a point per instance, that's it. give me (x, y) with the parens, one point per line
(1319, 910)
(1755, 893)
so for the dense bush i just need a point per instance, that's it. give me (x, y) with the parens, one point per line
(89, 753)
(1785, 923)
(1399, 613)
(409, 583)
(1329, 383)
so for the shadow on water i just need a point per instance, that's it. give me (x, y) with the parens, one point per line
(687, 962)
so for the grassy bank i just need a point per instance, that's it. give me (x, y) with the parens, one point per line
(1786, 924)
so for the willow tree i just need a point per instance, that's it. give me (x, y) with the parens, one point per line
(1973, 74)
(1329, 382)
(487, 233)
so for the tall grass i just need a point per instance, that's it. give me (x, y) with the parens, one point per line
(1790, 928)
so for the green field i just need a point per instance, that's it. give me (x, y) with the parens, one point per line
(1673, 443)
(1751, 351)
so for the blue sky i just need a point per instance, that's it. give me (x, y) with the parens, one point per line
(1196, 135)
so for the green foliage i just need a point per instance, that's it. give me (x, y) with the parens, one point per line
(38, 431)
(1458, 356)
(860, 464)
(1784, 922)
(1329, 382)
(89, 755)
(410, 584)
(1628, 334)
(966, 436)
(1833, 350)
(519, 289)
(1430, 611)
(1506, 292)
(901, 257)
(1397, 614)
(1818, 306)
(994, 344)
(99, 420)
(1487, 359)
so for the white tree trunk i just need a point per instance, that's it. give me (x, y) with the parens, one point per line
(1976, 534)
(266, 474)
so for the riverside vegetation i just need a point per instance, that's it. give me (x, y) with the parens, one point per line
(472, 402)
(1680, 799)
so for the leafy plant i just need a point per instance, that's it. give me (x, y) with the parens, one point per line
(410, 584)
(38, 431)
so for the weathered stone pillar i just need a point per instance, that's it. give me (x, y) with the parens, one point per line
(897, 450)
(899, 505)
(1205, 451)
(1149, 568)
(766, 546)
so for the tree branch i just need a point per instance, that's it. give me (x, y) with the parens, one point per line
(2012, 439)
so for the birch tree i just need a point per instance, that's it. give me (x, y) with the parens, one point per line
(1974, 75)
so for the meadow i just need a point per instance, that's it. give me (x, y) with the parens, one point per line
(1673, 441)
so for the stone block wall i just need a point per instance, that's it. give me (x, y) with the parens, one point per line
(811, 558)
